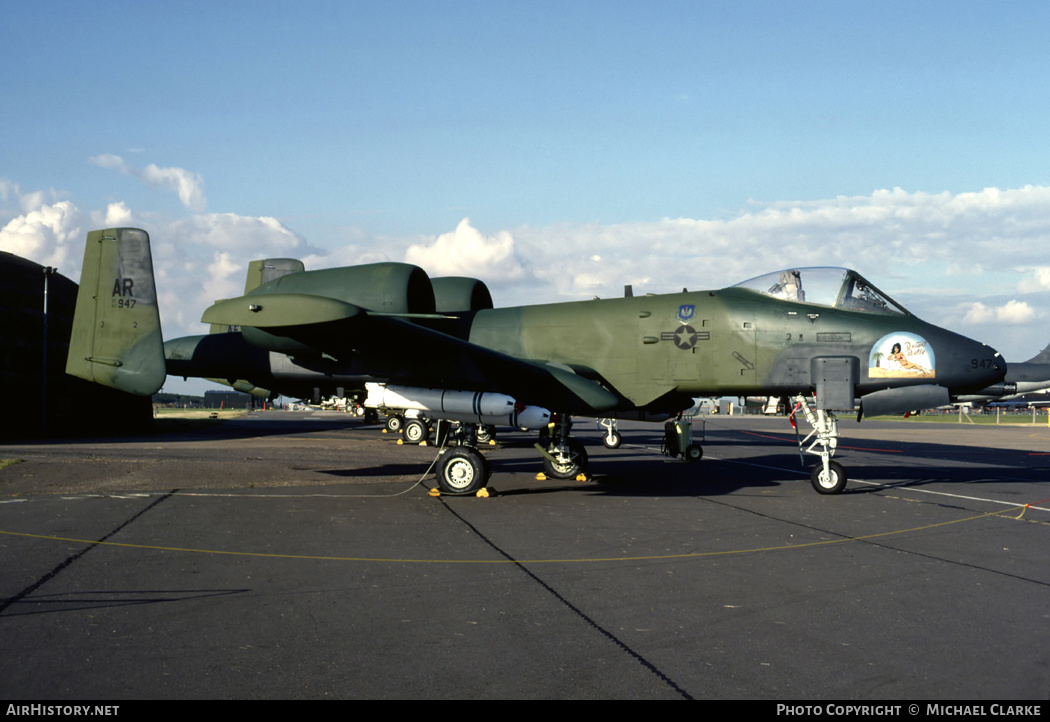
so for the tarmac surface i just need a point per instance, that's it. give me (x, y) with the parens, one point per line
(293, 555)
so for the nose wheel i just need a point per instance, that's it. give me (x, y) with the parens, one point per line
(831, 481)
(827, 476)
(612, 438)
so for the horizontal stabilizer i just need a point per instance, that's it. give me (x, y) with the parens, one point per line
(245, 387)
(278, 310)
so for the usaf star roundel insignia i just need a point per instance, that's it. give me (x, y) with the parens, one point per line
(685, 337)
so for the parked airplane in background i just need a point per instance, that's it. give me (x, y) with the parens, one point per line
(1029, 377)
(825, 337)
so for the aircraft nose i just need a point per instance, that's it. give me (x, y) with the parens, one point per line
(977, 366)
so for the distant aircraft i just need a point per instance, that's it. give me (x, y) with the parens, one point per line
(824, 337)
(1021, 380)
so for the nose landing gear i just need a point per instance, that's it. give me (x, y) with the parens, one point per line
(827, 476)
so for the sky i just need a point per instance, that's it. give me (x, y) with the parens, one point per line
(555, 150)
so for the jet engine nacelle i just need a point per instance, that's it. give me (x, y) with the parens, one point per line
(392, 288)
(467, 406)
(458, 293)
(381, 287)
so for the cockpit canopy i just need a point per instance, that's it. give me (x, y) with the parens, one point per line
(834, 287)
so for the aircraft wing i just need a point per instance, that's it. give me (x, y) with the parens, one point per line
(394, 348)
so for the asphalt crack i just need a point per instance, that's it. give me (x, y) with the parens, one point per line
(638, 657)
(4, 604)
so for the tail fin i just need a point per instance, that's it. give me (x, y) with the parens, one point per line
(116, 339)
(1042, 357)
(265, 270)
(260, 272)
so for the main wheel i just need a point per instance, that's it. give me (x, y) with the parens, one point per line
(612, 439)
(568, 463)
(832, 482)
(415, 432)
(486, 433)
(462, 470)
(394, 423)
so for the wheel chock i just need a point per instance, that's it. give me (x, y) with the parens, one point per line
(582, 477)
(423, 443)
(400, 442)
(492, 442)
(541, 477)
(482, 493)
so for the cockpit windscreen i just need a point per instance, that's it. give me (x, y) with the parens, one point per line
(834, 287)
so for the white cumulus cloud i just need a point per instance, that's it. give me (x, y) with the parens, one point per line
(203, 258)
(1040, 281)
(117, 215)
(45, 233)
(189, 186)
(1012, 312)
(467, 252)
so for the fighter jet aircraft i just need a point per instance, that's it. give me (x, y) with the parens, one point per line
(825, 337)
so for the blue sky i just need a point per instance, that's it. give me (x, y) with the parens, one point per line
(556, 150)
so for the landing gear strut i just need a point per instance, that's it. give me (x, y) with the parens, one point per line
(827, 477)
(612, 438)
(564, 457)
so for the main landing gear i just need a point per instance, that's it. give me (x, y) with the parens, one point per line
(461, 469)
(564, 457)
(827, 476)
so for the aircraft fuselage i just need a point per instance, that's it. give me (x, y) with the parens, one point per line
(730, 342)
(651, 352)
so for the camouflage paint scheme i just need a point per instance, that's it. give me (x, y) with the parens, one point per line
(736, 342)
(341, 327)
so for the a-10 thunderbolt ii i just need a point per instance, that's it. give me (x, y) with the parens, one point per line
(825, 337)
